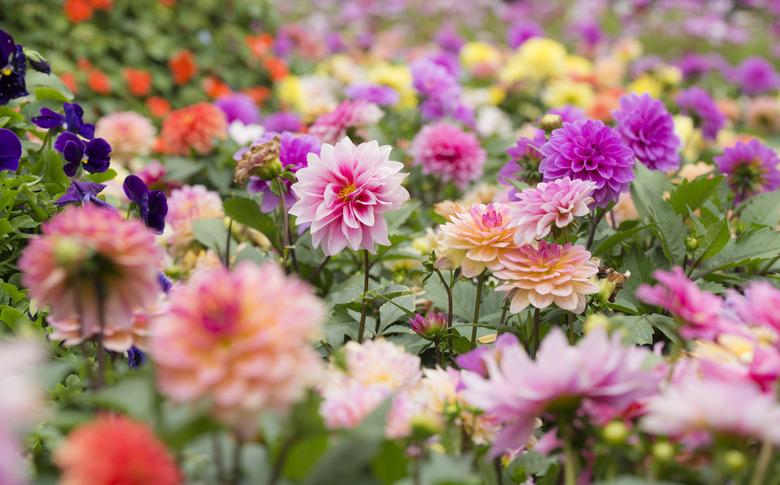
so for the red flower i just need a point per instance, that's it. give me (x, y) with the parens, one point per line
(69, 79)
(259, 44)
(215, 88)
(99, 82)
(193, 128)
(78, 10)
(101, 4)
(258, 94)
(183, 67)
(276, 68)
(139, 81)
(115, 450)
(167, 3)
(158, 107)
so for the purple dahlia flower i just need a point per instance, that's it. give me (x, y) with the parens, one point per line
(523, 164)
(589, 150)
(648, 129)
(283, 121)
(373, 93)
(521, 31)
(750, 168)
(569, 113)
(695, 102)
(239, 107)
(756, 75)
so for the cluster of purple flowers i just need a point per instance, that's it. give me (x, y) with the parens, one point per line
(441, 92)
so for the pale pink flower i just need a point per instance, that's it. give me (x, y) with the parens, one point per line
(475, 239)
(355, 115)
(698, 310)
(600, 376)
(693, 410)
(53, 270)
(240, 339)
(344, 193)
(129, 134)
(185, 206)
(547, 274)
(346, 404)
(557, 202)
(382, 363)
(448, 153)
(759, 306)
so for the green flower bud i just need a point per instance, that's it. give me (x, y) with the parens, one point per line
(663, 451)
(691, 243)
(734, 460)
(615, 432)
(551, 122)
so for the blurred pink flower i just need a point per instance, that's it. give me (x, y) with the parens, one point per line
(448, 153)
(693, 410)
(475, 239)
(698, 310)
(239, 338)
(557, 202)
(129, 134)
(547, 274)
(126, 264)
(759, 305)
(356, 115)
(599, 373)
(185, 206)
(344, 194)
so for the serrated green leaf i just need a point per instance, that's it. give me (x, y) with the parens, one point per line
(762, 209)
(689, 196)
(754, 245)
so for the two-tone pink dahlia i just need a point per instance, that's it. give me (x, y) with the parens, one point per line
(599, 376)
(186, 205)
(344, 194)
(557, 203)
(129, 134)
(349, 115)
(87, 260)
(448, 153)
(240, 339)
(475, 239)
(546, 274)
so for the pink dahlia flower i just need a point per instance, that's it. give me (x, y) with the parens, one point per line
(557, 202)
(355, 115)
(448, 153)
(547, 274)
(698, 310)
(599, 374)
(185, 206)
(694, 410)
(344, 193)
(239, 338)
(129, 134)
(759, 305)
(474, 240)
(127, 264)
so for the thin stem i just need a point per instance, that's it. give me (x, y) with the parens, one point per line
(502, 322)
(101, 350)
(227, 243)
(594, 223)
(569, 458)
(219, 464)
(320, 268)
(363, 305)
(535, 339)
(438, 352)
(448, 289)
(276, 472)
(477, 304)
(570, 324)
(235, 475)
(285, 224)
(762, 466)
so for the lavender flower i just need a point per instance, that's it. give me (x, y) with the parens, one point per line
(239, 106)
(523, 164)
(521, 31)
(756, 76)
(373, 93)
(283, 121)
(648, 129)
(750, 168)
(696, 103)
(83, 193)
(589, 150)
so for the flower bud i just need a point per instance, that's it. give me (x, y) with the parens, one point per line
(429, 327)
(551, 122)
(663, 451)
(691, 243)
(425, 426)
(615, 433)
(261, 161)
(606, 287)
(734, 460)
(594, 321)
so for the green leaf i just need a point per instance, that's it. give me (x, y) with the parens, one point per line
(302, 456)
(638, 328)
(604, 245)
(689, 196)
(718, 235)
(45, 92)
(37, 80)
(118, 396)
(212, 233)
(763, 209)
(669, 227)
(397, 217)
(391, 463)
(247, 212)
(396, 309)
(529, 464)
(99, 178)
(754, 245)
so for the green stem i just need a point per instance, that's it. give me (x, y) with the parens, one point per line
(363, 305)
(285, 236)
(502, 322)
(569, 458)
(594, 223)
(101, 350)
(448, 289)
(535, 339)
(227, 243)
(438, 352)
(477, 304)
(762, 466)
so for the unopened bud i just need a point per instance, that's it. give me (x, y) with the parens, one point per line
(663, 451)
(594, 321)
(551, 122)
(691, 243)
(606, 287)
(425, 425)
(261, 161)
(734, 460)
(615, 433)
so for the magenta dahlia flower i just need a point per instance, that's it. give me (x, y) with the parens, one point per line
(599, 376)
(448, 153)
(524, 158)
(696, 103)
(758, 306)
(344, 193)
(557, 203)
(648, 129)
(590, 150)
(756, 75)
(750, 168)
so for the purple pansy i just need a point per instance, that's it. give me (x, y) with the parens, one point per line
(152, 204)
(83, 193)
(74, 149)
(10, 150)
(72, 120)
(12, 69)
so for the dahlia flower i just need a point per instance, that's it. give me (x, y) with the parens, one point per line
(750, 168)
(557, 202)
(448, 153)
(547, 274)
(429, 326)
(129, 134)
(763, 114)
(476, 238)
(247, 351)
(381, 363)
(695, 102)
(756, 75)
(282, 121)
(524, 158)
(648, 129)
(123, 257)
(188, 204)
(344, 193)
(239, 107)
(600, 376)
(589, 150)
(692, 410)
(115, 449)
(758, 306)
(373, 93)
(193, 127)
(349, 115)
(698, 310)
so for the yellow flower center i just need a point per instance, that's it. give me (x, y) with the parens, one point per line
(7, 71)
(346, 191)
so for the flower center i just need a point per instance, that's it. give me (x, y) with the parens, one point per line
(7, 71)
(345, 192)
(492, 219)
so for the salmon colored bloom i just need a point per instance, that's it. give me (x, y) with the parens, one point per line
(276, 67)
(547, 274)
(126, 261)
(215, 88)
(158, 107)
(245, 350)
(259, 45)
(78, 10)
(139, 81)
(99, 82)
(69, 79)
(185, 206)
(129, 134)
(476, 238)
(113, 450)
(258, 94)
(194, 127)
(183, 67)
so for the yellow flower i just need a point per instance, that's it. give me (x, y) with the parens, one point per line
(562, 92)
(646, 84)
(578, 66)
(669, 75)
(496, 95)
(398, 77)
(540, 58)
(628, 49)
(340, 67)
(690, 137)
(290, 92)
(480, 57)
